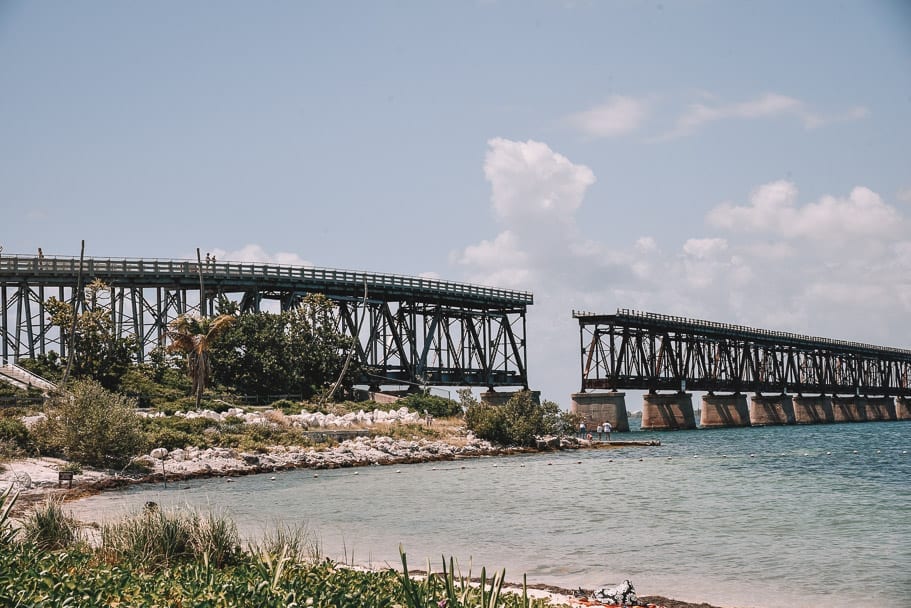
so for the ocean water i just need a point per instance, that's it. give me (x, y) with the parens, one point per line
(767, 517)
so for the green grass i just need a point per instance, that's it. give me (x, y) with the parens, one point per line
(159, 559)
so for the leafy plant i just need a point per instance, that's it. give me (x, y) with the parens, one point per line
(434, 405)
(14, 437)
(7, 532)
(90, 425)
(195, 338)
(518, 422)
(49, 528)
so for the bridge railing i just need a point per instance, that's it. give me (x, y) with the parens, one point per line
(189, 269)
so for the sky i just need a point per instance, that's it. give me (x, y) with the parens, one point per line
(744, 162)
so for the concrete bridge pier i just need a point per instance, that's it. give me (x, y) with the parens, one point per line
(668, 412)
(903, 408)
(724, 411)
(881, 408)
(813, 410)
(492, 397)
(771, 410)
(598, 408)
(849, 409)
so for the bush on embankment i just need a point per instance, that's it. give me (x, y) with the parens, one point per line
(193, 574)
(518, 422)
(90, 425)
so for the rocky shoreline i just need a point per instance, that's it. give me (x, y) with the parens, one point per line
(38, 478)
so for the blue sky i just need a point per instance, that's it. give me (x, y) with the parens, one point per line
(747, 162)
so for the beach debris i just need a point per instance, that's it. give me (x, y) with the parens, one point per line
(623, 594)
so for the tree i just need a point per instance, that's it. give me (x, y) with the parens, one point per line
(91, 425)
(96, 351)
(519, 422)
(195, 337)
(298, 351)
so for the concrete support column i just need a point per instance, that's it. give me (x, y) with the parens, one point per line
(881, 408)
(769, 410)
(724, 410)
(813, 410)
(598, 408)
(496, 398)
(668, 412)
(903, 408)
(849, 409)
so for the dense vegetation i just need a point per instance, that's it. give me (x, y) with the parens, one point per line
(157, 559)
(519, 422)
(299, 352)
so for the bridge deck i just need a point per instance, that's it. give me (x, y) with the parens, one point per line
(228, 275)
(659, 322)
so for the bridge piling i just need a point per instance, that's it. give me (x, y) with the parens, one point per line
(770, 410)
(881, 408)
(668, 412)
(849, 409)
(724, 411)
(813, 410)
(598, 408)
(903, 408)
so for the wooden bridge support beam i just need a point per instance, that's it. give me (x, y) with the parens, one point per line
(769, 410)
(724, 411)
(598, 408)
(668, 412)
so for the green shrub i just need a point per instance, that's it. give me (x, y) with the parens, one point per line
(91, 425)
(14, 437)
(439, 407)
(49, 528)
(287, 406)
(295, 542)
(518, 422)
(158, 539)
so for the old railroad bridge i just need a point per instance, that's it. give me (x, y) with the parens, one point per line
(413, 331)
(410, 330)
(795, 379)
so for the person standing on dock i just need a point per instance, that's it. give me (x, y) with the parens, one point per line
(599, 429)
(607, 429)
(582, 430)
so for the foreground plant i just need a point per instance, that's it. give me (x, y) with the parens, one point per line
(49, 528)
(451, 591)
(161, 563)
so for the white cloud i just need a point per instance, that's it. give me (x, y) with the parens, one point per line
(837, 266)
(773, 208)
(529, 180)
(619, 116)
(253, 253)
(702, 249)
(768, 105)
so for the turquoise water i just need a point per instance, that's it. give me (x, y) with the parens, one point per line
(755, 517)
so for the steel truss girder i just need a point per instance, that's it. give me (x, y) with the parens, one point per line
(620, 353)
(404, 341)
(418, 343)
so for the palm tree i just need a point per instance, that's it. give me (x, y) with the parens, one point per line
(194, 337)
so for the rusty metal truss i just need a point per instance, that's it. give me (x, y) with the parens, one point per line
(647, 351)
(409, 330)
